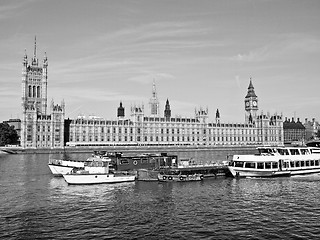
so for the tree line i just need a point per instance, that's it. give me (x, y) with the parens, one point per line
(8, 135)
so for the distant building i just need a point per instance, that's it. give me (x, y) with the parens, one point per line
(43, 128)
(294, 132)
(39, 128)
(139, 129)
(312, 128)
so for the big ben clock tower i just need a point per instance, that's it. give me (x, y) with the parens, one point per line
(251, 104)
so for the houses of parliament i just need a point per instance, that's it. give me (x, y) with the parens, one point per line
(46, 127)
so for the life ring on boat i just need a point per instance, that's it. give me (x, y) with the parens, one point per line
(135, 162)
(181, 178)
(169, 178)
(164, 177)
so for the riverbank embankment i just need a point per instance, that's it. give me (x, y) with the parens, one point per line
(228, 149)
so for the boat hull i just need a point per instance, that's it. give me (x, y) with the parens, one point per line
(179, 178)
(60, 167)
(240, 172)
(79, 179)
(59, 170)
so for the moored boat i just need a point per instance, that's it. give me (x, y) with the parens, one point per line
(97, 172)
(276, 162)
(58, 167)
(175, 175)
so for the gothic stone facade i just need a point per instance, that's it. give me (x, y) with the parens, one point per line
(139, 129)
(38, 128)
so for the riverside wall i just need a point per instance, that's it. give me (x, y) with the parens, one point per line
(228, 149)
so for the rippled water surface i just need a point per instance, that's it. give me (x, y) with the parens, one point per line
(36, 205)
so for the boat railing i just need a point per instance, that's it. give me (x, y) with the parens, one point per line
(60, 161)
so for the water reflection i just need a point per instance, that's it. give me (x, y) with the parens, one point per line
(33, 203)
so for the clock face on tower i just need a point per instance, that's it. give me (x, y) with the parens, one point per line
(254, 103)
(247, 104)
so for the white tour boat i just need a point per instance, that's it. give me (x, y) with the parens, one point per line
(95, 172)
(276, 161)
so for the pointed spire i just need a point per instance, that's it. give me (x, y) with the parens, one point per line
(25, 58)
(167, 111)
(154, 103)
(251, 92)
(35, 47)
(45, 60)
(217, 113)
(250, 84)
(34, 59)
(154, 92)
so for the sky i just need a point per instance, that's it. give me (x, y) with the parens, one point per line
(199, 53)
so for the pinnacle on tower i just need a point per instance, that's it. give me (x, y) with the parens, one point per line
(35, 60)
(25, 58)
(217, 114)
(154, 103)
(251, 92)
(167, 111)
(35, 47)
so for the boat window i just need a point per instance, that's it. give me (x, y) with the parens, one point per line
(304, 151)
(268, 165)
(314, 150)
(124, 161)
(283, 151)
(297, 163)
(302, 163)
(316, 162)
(266, 151)
(274, 165)
(238, 164)
(312, 163)
(307, 163)
(250, 165)
(152, 160)
(294, 151)
(260, 165)
(144, 161)
(291, 163)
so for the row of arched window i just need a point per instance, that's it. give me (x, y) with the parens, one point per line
(34, 91)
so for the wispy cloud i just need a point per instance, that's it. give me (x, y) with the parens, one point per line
(255, 55)
(148, 77)
(282, 44)
(137, 53)
(10, 9)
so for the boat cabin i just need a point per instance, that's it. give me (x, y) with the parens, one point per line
(269, 151)
(126, 162)
(278, 159)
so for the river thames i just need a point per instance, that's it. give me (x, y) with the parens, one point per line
(36, 205)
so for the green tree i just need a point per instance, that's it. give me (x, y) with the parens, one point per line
(8, 135)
